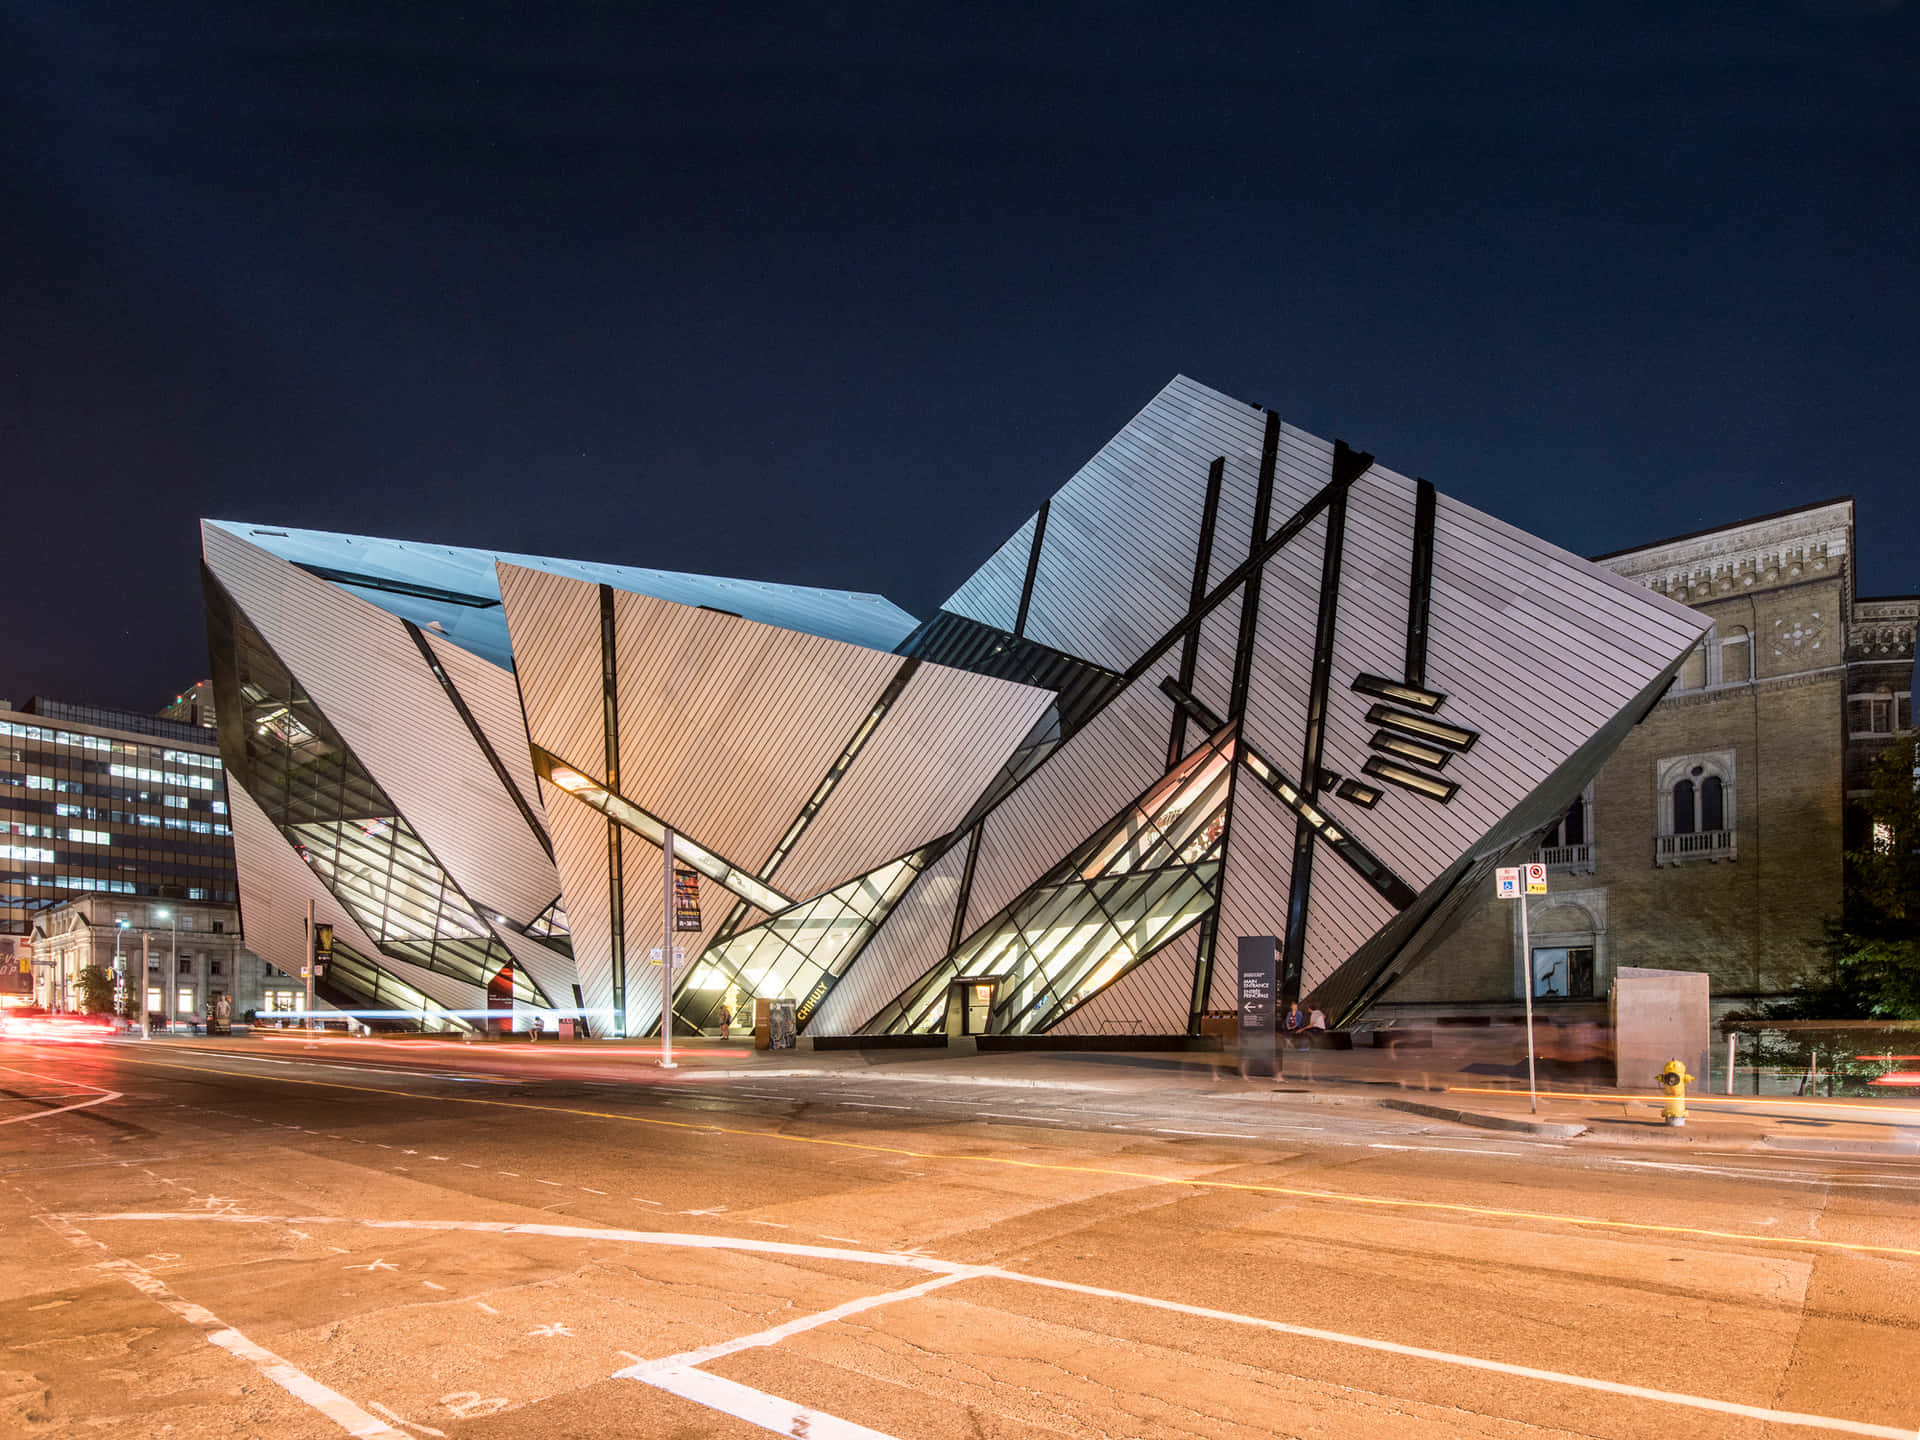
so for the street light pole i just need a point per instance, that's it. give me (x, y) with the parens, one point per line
(146, 964)
(119, 966)
(1526, 989)
(307, 970)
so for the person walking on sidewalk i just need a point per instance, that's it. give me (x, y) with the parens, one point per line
(726, 1021)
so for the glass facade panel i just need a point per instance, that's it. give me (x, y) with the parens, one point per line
(799, 952)
(299, 770)
(1127, 891)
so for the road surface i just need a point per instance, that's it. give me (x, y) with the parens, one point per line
(258, 1238)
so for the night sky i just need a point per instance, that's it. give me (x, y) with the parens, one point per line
(837, 294)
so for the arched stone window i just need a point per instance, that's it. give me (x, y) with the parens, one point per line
(1568, 845)
(1696, 799)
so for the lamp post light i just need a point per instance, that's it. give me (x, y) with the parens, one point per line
(173, 962)
(119, 965)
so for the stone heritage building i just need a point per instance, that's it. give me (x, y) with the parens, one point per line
(1713, 838)
(195, 955)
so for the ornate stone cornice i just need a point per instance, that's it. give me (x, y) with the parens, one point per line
(1782, 550)
(1883, 629)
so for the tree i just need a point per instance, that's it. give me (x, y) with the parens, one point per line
(1871, 965)
(1884, 877)
(96, 990)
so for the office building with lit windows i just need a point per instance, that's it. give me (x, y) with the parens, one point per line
(1230, 680)
(101, 801)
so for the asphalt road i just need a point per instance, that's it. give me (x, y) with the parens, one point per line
(256, 1239)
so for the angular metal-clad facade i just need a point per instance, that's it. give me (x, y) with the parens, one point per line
(1230, 679)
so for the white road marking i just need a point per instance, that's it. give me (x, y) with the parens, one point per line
(105, 1096)
(770, 1224)
(591, 1191)
(955, 1270)
(756, 1407)
(843, 1239)
(297, 1383)
(1447, 1149)
(647, 1369)
(431, 1286)
(551, 1330)
(481, 1304)
(871, 1105)
(759, 1408)
(410, 1424)
(1212, 1134)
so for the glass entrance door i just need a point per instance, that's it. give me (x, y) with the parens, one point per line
(976, 1006)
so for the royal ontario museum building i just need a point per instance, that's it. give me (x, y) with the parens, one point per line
(1230, 680)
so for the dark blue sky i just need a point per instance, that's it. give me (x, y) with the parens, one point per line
(836, 294)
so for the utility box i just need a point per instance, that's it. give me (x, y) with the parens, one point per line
(1657, 1016)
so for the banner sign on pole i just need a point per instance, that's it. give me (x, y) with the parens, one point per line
(322, 941)
(686, 899)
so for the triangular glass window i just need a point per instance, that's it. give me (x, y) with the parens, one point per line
(1125, 892)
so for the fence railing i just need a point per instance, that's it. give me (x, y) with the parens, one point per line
(1702, 845)
(1822, 1057)
(1565, 857)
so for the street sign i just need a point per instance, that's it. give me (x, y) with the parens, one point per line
(1536, 879)
(1506, 882)
(679, 956)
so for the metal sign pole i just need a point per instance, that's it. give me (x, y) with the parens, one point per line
(1526, 989)
(146, 960)
(307, 970)
(666, 967)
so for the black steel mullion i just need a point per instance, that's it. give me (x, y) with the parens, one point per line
(479, 737)
(1420, 585)
(1033, 570)
(616, 882)
(1349, 467)
(841, 765)
(959, 930)
(1250, 600)
(1202, 563)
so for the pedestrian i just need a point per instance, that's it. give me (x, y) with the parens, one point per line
(1293, 1019)
(726, 1021)
(533, 1030)
(1317, 1020)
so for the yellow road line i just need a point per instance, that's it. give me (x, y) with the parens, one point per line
(1292, 1192)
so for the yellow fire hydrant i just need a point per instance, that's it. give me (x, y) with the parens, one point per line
(1674, 1080)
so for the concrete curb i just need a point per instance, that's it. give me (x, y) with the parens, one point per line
(1487, 1122)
